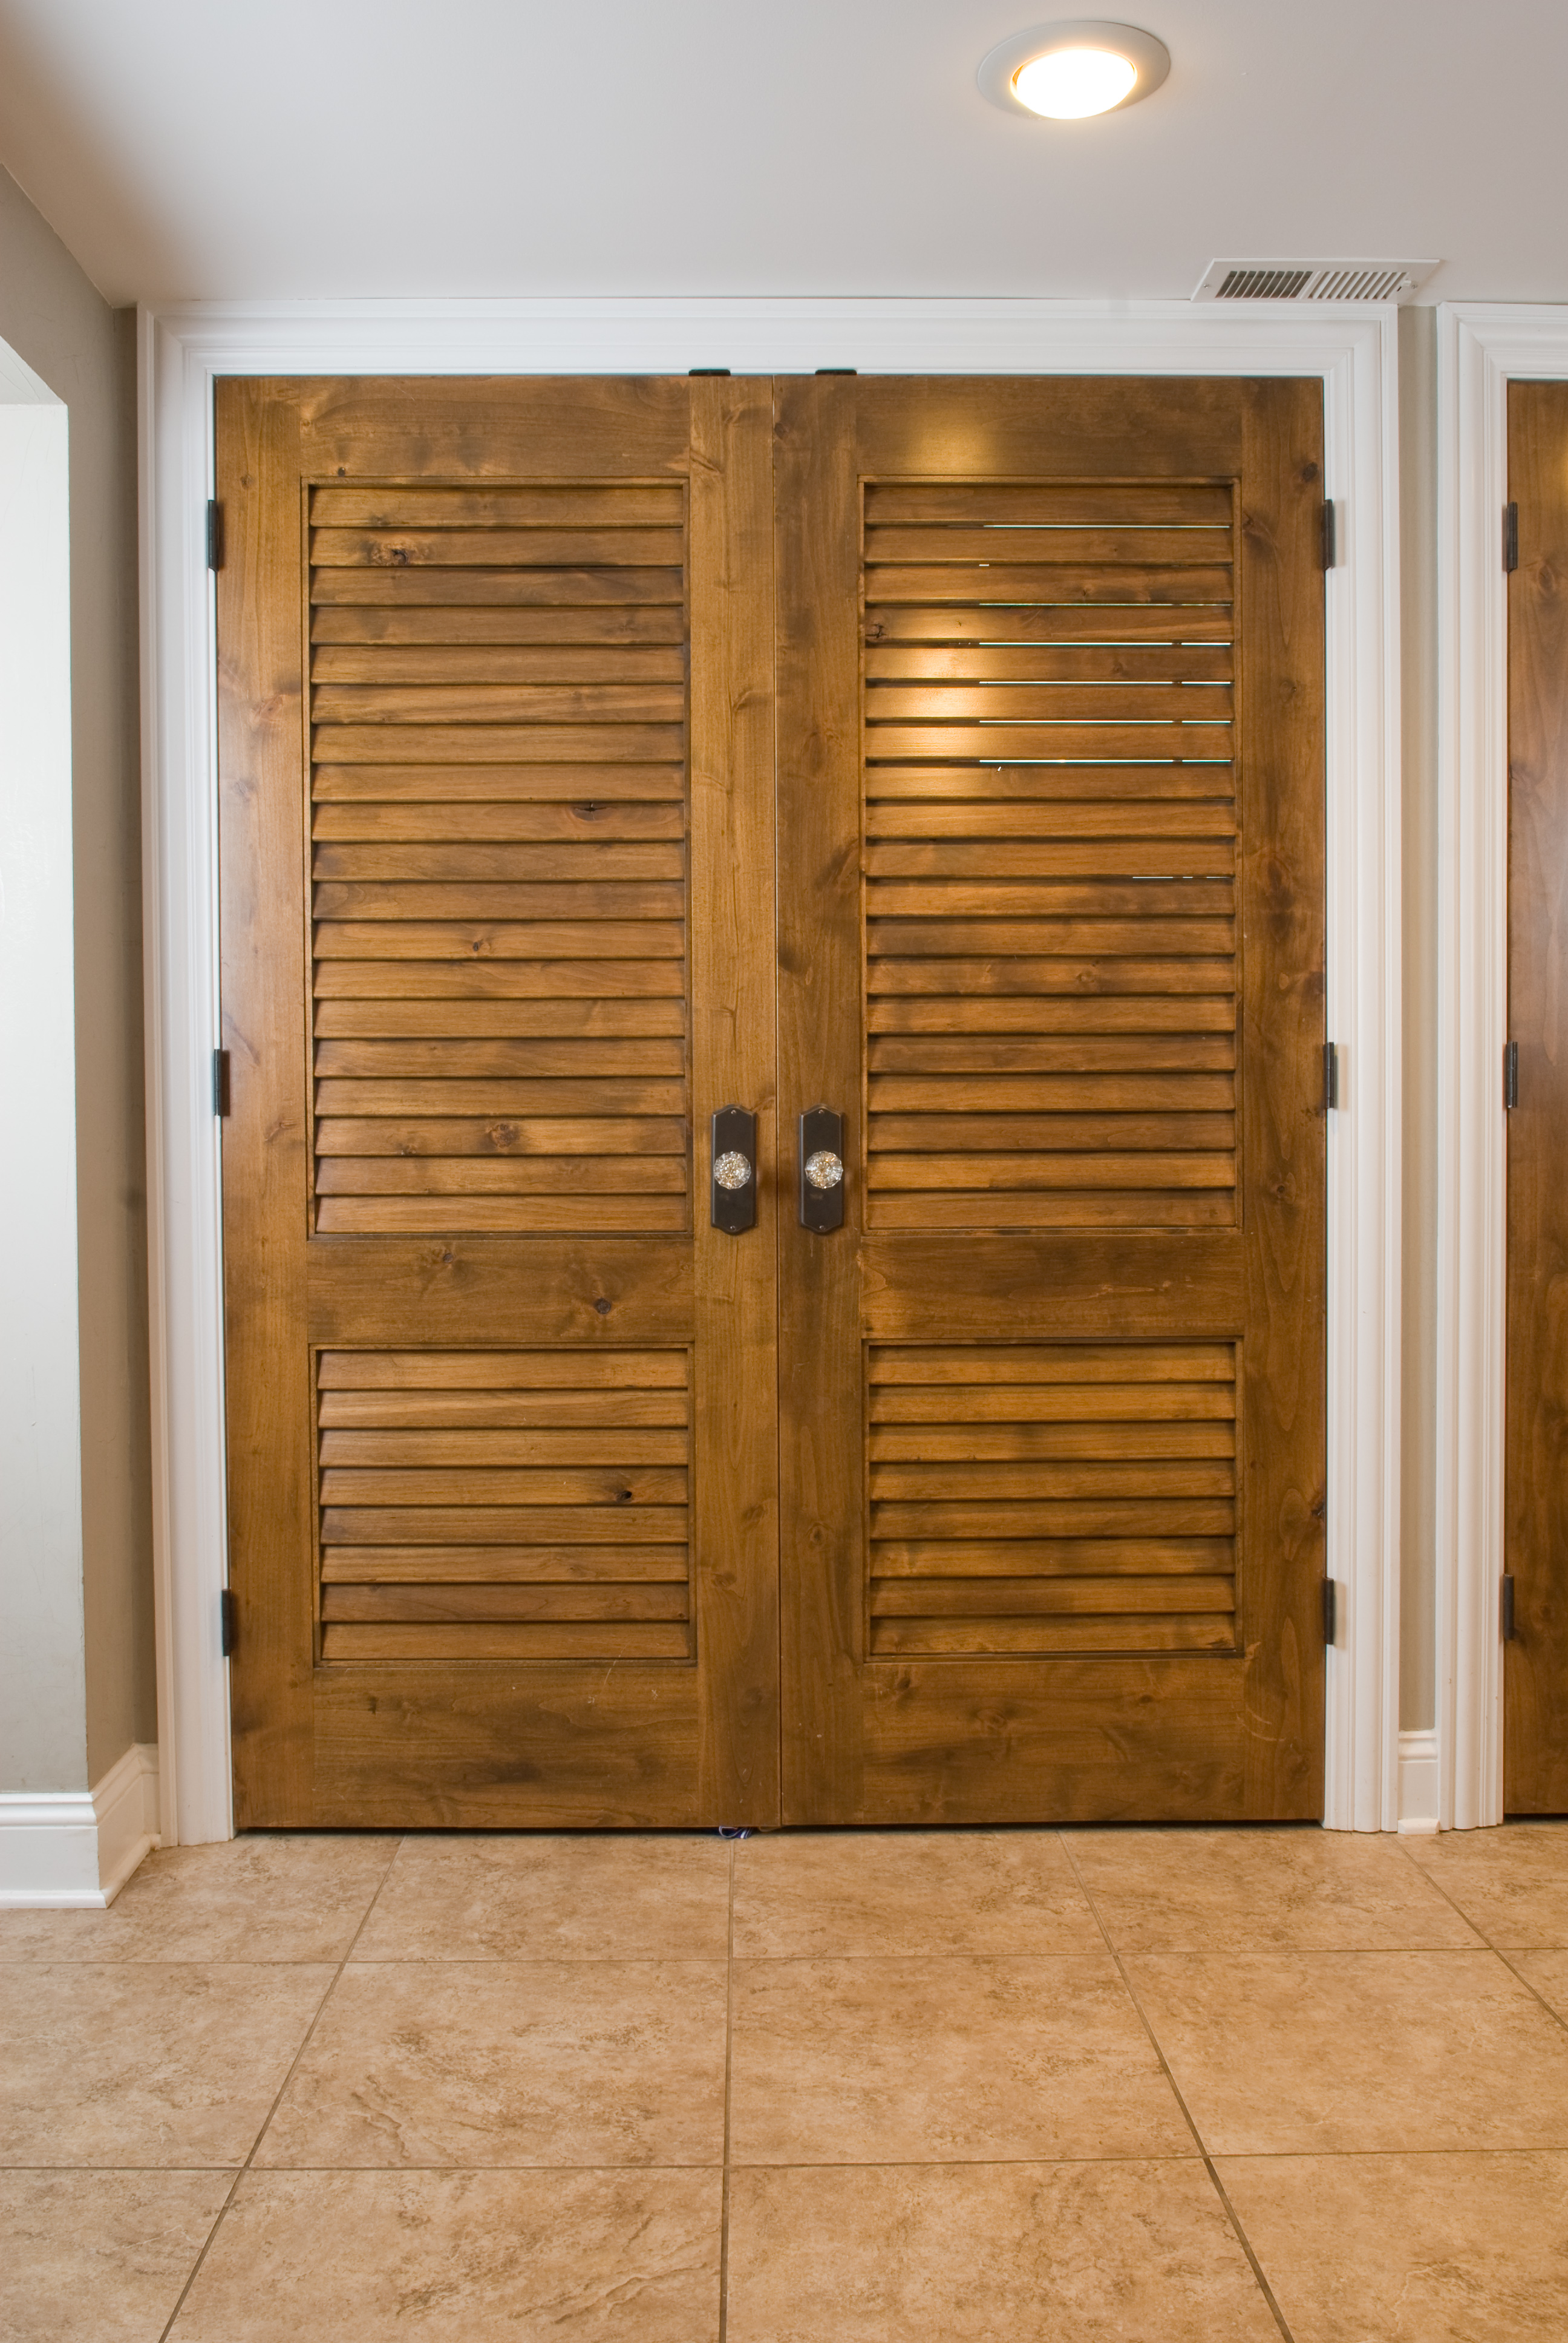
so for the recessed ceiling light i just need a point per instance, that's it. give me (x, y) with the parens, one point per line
(1068, 71)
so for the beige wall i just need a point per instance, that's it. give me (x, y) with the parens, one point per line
(1418, 570)
(56, 320)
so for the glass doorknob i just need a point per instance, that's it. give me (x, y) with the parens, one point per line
(821, 1161)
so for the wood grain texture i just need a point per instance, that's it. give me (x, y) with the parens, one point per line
(520, 876)
(1103, 1427)
(1284, 1138)
(468, 678)
(733, 914)
(1086, 812)
(262, 799)
(941, 724)
(589, 1482)
(1535, 1468)
(514, 675)
(822, 1450)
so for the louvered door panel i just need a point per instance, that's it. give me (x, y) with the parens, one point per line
(496, 852)
(1057, 1497)
(508, 1503)
(499, 857)
(1051, 777)
(1049, 852)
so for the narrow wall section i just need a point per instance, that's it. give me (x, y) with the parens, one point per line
(43, 1685)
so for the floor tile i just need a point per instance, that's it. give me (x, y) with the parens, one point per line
(1548, 1974)
(140, 2065)
(455, 2257)
(1316, 2053)
(1512, 1882)
(511, 2062)
(1197, 1891)
(566, 1898)
(1020, 2253)
(1411, 2248)
(265, 1898)
(100, 2256)
(908, 1892)
(930, 2061)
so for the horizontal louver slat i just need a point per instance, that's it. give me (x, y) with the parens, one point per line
(1053, 1497)
(1051, 844)
(537, 1497)
(499, 815)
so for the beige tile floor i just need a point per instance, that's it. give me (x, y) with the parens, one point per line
(1020, 2087)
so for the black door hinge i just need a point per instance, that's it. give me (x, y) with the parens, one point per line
(697, 370)
(1331, 1074)
(220, 1081)
(227, 1622)
(1505, 1606)
(1331, 1610)
(1510, 1075)
(1511, 536)
(214, 534)
(1330, 548)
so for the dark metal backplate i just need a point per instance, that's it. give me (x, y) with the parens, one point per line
(734, 1210)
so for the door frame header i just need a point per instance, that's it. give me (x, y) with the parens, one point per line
(183, 351)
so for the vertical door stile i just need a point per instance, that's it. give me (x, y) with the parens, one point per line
(1535, 1456)
(1280, 1030)
(733, 912)
(263, 762)
(822, 1431)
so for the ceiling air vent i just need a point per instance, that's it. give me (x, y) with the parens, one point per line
(1313, 280)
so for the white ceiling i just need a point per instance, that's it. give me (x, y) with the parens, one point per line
(188, 148)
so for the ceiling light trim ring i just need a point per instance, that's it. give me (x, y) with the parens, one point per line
(999, 67)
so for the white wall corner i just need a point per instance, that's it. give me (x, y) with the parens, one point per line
(1418, 1782)
(74, 1850)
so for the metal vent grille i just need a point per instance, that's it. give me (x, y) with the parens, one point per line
(1262, 284)
(1313, 280)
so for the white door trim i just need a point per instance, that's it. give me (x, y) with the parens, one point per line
(1481, 347)
(1351, 347)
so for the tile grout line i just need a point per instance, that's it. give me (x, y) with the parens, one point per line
(729, 2050)
(198, 2266)
(1215, 2182)
(1496, 1951)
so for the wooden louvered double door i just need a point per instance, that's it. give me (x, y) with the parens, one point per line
(595, 755)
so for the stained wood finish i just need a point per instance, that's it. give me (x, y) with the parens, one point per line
(1065, 1497)
(1051, 913)
(496, 823)
(407, 867)
(459, 1490)
(1067, 831)
(512, 1431)
(1535, 1483)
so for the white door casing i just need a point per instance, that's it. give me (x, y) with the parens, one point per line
(1351, 347)
(1482, 346)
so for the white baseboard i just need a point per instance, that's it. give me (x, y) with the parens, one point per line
(1418, 1783)
(75, 1849)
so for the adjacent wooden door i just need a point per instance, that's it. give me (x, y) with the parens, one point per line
(1535, 1482)
(496, 909)
(1051, 917)
(551, 1504)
